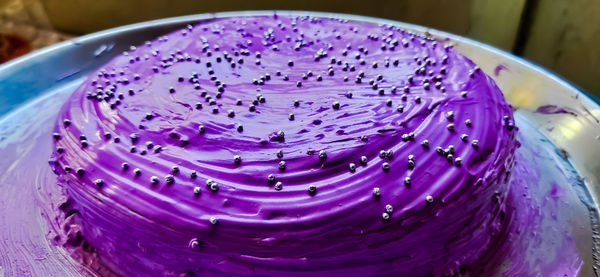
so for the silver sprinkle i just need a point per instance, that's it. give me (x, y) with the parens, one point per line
(352, 167)
(376, 192)
(336, 105)
(385, 216)
(400, 109)
(389, 154)
(464, 137)
(99, 182)
(214, 186)
(363, 159)
(169, 179)
(458, 161)
(451, 148)
(312, 189)
(278, 186)
(468, 123)
(280, 154)
(322, 155)
(213, 220)
(382, 154)
(389, 209)
(291, 117)
(407, 181)
(429, 199)
(475, 143)
(425, 143)
(154, 180)
(197, 191)
(450, 127)
(271, 178)
(237, 159)
(385, 166)
(282, 165)
(411, 157)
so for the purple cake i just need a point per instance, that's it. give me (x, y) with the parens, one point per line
(289, 146)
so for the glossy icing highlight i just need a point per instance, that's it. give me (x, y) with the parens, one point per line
(325, 92)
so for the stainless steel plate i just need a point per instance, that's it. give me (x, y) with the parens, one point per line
(28, 80)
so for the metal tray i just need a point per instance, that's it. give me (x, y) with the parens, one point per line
(26, 81)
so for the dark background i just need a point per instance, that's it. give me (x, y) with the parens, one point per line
(561, 35)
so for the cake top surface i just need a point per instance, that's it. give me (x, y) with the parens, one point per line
(285, 126)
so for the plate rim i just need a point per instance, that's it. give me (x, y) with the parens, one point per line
(64, 45)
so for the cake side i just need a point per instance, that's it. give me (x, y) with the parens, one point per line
(236, 147)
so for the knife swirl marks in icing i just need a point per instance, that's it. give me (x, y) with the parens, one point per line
(288, 145)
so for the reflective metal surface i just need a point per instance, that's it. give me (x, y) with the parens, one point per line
(576, 131)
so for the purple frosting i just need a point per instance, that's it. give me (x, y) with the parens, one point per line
(389, 153)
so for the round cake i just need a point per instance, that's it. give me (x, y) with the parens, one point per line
(288, 146)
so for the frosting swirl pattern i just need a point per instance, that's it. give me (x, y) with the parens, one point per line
(288, 145)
